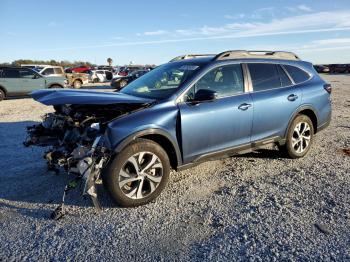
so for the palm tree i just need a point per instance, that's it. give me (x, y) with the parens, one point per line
(109, 61)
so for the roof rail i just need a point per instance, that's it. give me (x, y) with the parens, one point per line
(183, 57)
(239, 54)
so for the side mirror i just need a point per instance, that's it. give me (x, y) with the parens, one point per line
(36, 76)
(205, 95)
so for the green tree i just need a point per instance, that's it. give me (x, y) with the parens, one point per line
(109, 61)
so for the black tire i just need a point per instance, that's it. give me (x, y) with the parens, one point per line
(122, 84)
(2, 95)
(296, 150)
(77, 84)
(96, 80)
(112, 176)
(56, 86)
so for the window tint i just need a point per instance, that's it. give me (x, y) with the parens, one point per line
(264, 76)
(48, 71)
(26, 73)
(58, 70)
(225, 80)
(285, 81)
(297, 74)
(10, 73)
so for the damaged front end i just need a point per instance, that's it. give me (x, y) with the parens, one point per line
(74, 136)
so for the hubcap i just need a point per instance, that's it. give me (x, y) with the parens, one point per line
(301, 137)
(140, 175)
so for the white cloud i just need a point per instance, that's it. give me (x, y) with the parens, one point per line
(236, 16)
(118, 37)
(158, 32)
(304, 8)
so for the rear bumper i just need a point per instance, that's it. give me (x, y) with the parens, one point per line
(325, 124)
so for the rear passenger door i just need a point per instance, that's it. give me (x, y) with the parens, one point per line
(275, 99)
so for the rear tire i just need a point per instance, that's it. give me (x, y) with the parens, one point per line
(122, 84)
(299, 137)
(2, 95)
(138, 174)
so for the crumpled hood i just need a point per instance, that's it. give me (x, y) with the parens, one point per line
(60, 97)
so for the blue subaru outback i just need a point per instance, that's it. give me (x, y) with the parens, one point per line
(193, 109)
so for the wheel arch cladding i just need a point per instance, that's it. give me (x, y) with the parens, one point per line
(311, 114)
(3, 90)
(158, 137)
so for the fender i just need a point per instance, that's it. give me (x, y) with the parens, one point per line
(296, 112)
(151, 131)
(4, 89)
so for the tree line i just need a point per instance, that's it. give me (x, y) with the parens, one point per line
(63, 63)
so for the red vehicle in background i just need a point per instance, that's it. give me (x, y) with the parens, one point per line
(81, 69)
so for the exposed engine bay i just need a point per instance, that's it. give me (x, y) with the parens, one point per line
(74, 137)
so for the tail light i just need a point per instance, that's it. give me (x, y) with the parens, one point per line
(328, 88)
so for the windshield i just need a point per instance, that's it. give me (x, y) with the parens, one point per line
(161, 82)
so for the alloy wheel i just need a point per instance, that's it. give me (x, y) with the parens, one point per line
(301, 137)
(140, 175)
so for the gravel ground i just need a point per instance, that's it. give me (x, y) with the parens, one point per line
(257, 206)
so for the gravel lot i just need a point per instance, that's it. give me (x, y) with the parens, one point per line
(257, 206)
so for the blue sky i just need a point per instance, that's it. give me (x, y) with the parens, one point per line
(155, 31)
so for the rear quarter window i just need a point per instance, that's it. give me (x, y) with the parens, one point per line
(297, 74)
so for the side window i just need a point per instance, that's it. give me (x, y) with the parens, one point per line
(58, 70)
(26, 73)
(264, 76)
(225, 80)
(297, 74)
(10, 73)
(285, 81)
(48, 71)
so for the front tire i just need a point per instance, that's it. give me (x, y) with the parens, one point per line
(138, 174)
(56, 86)
(77, 84)
(299, 137)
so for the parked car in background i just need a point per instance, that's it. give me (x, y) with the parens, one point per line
(15, 81)
(96, 76)
(76, 80)
(47, 70)
(126, 70)
(108, 68)
(215, 105)
(339, 68)
(321, 68)
(120, 82)
(81, 69)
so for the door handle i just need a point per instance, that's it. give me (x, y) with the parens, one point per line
(292, 97)
(244, 106)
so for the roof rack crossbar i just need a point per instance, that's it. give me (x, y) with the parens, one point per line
(189, 56)
(238, 54)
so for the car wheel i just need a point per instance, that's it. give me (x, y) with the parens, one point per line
(122, 84)
(56, 86)
(299, 137)
(138, 174)
(2, 95)
(96, 80)
(77, 84)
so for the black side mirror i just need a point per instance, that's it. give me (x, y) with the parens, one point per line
(205, 95)
(35, 76)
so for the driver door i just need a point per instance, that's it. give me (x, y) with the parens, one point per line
(30, 80)
(223, 123)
